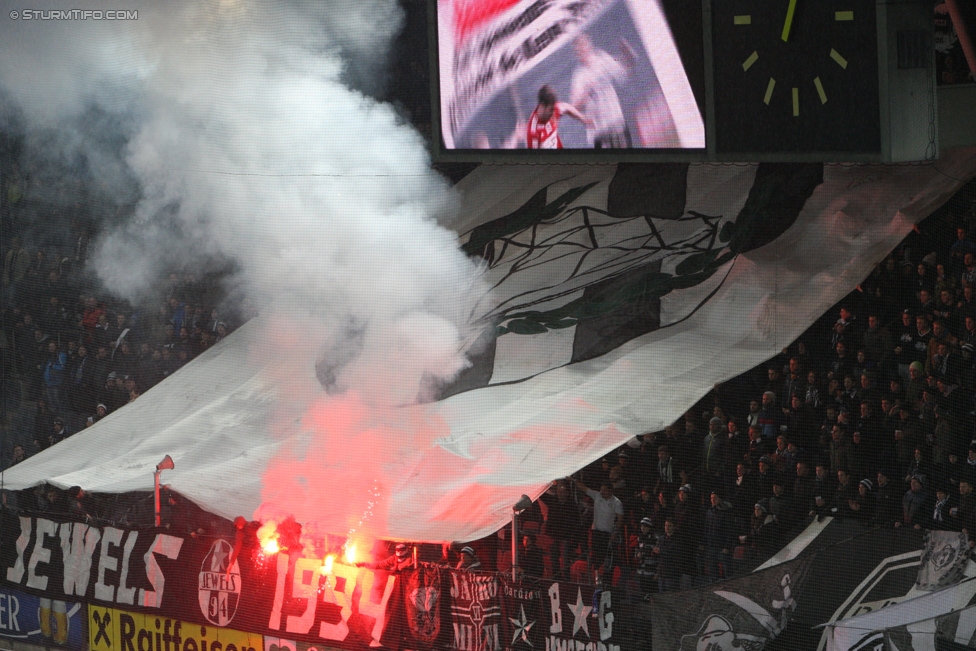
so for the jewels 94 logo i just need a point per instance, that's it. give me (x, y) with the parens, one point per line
(219, 588)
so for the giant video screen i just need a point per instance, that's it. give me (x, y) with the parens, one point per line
(570, 74)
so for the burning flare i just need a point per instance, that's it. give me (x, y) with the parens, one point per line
(268, 538)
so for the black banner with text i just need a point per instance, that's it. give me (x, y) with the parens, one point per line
(190, 591)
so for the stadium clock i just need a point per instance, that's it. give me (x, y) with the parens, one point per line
(795, 75)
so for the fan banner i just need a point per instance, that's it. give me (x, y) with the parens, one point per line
(476, 611)
(944, 560)
(525, 617)
(749, 612)
(943, 620)
(131, 586)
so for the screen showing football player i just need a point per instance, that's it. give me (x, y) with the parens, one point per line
(543, 127)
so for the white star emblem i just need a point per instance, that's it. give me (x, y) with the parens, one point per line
(217, 561)
(580, 611)
(522, 627)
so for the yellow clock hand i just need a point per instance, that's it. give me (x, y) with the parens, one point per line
(789, 20)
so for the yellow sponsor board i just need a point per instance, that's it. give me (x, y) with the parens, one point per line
(110, 629)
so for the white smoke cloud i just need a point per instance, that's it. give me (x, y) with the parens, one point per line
(250, 144)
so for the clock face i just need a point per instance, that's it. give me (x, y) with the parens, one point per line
(796, 75)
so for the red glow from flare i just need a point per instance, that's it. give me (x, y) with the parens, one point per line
(357, 484)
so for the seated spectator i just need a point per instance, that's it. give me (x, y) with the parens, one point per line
(752, 418)
(770, 417)
(646, 559)
(718, 538)
(940, 514)
(17, 454)
(102, 332)
(962, 517)
(673, 558)
(766, 476)
(53, 378)
(744, 494)
(758, 447)
(954, 468)
(113, 393)
(845, 495)
(469, 560)
(862, 506)
(841, 362)
(400, 560)
(919, 465)
(782, 506)
(800, 419)
(803, 486)
(79, 505)
(758, 541)
(823, 491)
(55, 434)
(644, 505)
(813, 392)
(738, 445)
(663, 509)
(50, 501)
(914, 504)
(669, 471)
(887, 501)
(859, 457)
(530, 559)
(91, 315)
(222, 332)
(562, 523)
(608, 520)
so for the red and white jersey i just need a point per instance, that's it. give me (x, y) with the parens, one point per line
(544, 136)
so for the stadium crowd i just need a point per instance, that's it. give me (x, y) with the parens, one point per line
(869, 415)
(77, 357)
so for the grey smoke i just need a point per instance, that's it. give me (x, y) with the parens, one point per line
(250, 133)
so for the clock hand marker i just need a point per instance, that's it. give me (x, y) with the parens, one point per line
(789, 20)
(769, 91)
(838, 59)
(750, 60)
(820, 90)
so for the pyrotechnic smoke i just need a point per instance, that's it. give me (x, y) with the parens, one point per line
(247, 131)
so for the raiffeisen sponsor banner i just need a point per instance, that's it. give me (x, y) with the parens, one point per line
(111, 629)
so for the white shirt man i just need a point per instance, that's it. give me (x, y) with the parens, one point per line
(608, 517)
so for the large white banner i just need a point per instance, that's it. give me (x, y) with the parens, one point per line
(620, 296)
